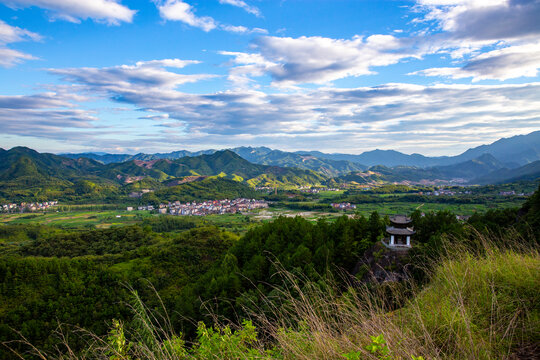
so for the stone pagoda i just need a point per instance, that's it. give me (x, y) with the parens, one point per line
(399, 232)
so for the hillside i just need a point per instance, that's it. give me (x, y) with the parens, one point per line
(327, 167)
(207, 189)
(45, 164)
(524, 173)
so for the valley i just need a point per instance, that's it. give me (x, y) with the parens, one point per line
(182, 233)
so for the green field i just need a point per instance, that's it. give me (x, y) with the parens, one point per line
(92, 216)
(77, 219)
(408, 207)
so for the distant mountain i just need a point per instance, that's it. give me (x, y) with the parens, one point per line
(380, 157)
(106, 158)
(529, 172)
(257, 155)
(266, 156)
(101, 157)
(26, 174)
(470, 169)
(520, 149)
(467, 170)
(513, 152)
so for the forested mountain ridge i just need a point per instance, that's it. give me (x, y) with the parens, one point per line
(26, 174)
(221, 163)
(257, 155)
(21, 161)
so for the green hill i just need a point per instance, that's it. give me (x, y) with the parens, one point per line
(46, 165)
(221, 163)
(207, 189)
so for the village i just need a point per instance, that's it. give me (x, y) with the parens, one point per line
(27, 207)
(206, 207)
(343, 206)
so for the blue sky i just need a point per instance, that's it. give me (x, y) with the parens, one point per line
(429, 76)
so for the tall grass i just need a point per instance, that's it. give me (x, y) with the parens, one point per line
(482, 302)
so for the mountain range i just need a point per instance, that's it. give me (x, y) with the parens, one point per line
(511, 152)
(26, 171)
(27, 165)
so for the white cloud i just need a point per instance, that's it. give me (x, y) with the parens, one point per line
(486, 19)
(108, 11)
(10, 57)
(143, 76)
(235, 29)
(177, 10)
(502, 64)
(319, 59)
(242, 4)
(173, 63)
(242, 29)
(494, 39)
(10, 34)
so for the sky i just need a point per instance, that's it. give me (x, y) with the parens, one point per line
(434, 77)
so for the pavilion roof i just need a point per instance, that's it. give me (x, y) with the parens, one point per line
(400, 231)
(400, 219)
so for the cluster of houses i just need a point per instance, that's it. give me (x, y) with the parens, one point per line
(28, 207)
(207, 207)
(313, 190)
(467, 192)
(444, 192)
(512, 193)
(343, 206)
(217, 207)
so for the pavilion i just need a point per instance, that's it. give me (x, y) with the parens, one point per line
(399, 232)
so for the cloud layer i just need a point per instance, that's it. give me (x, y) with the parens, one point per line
(399, 115)
(300, 105)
